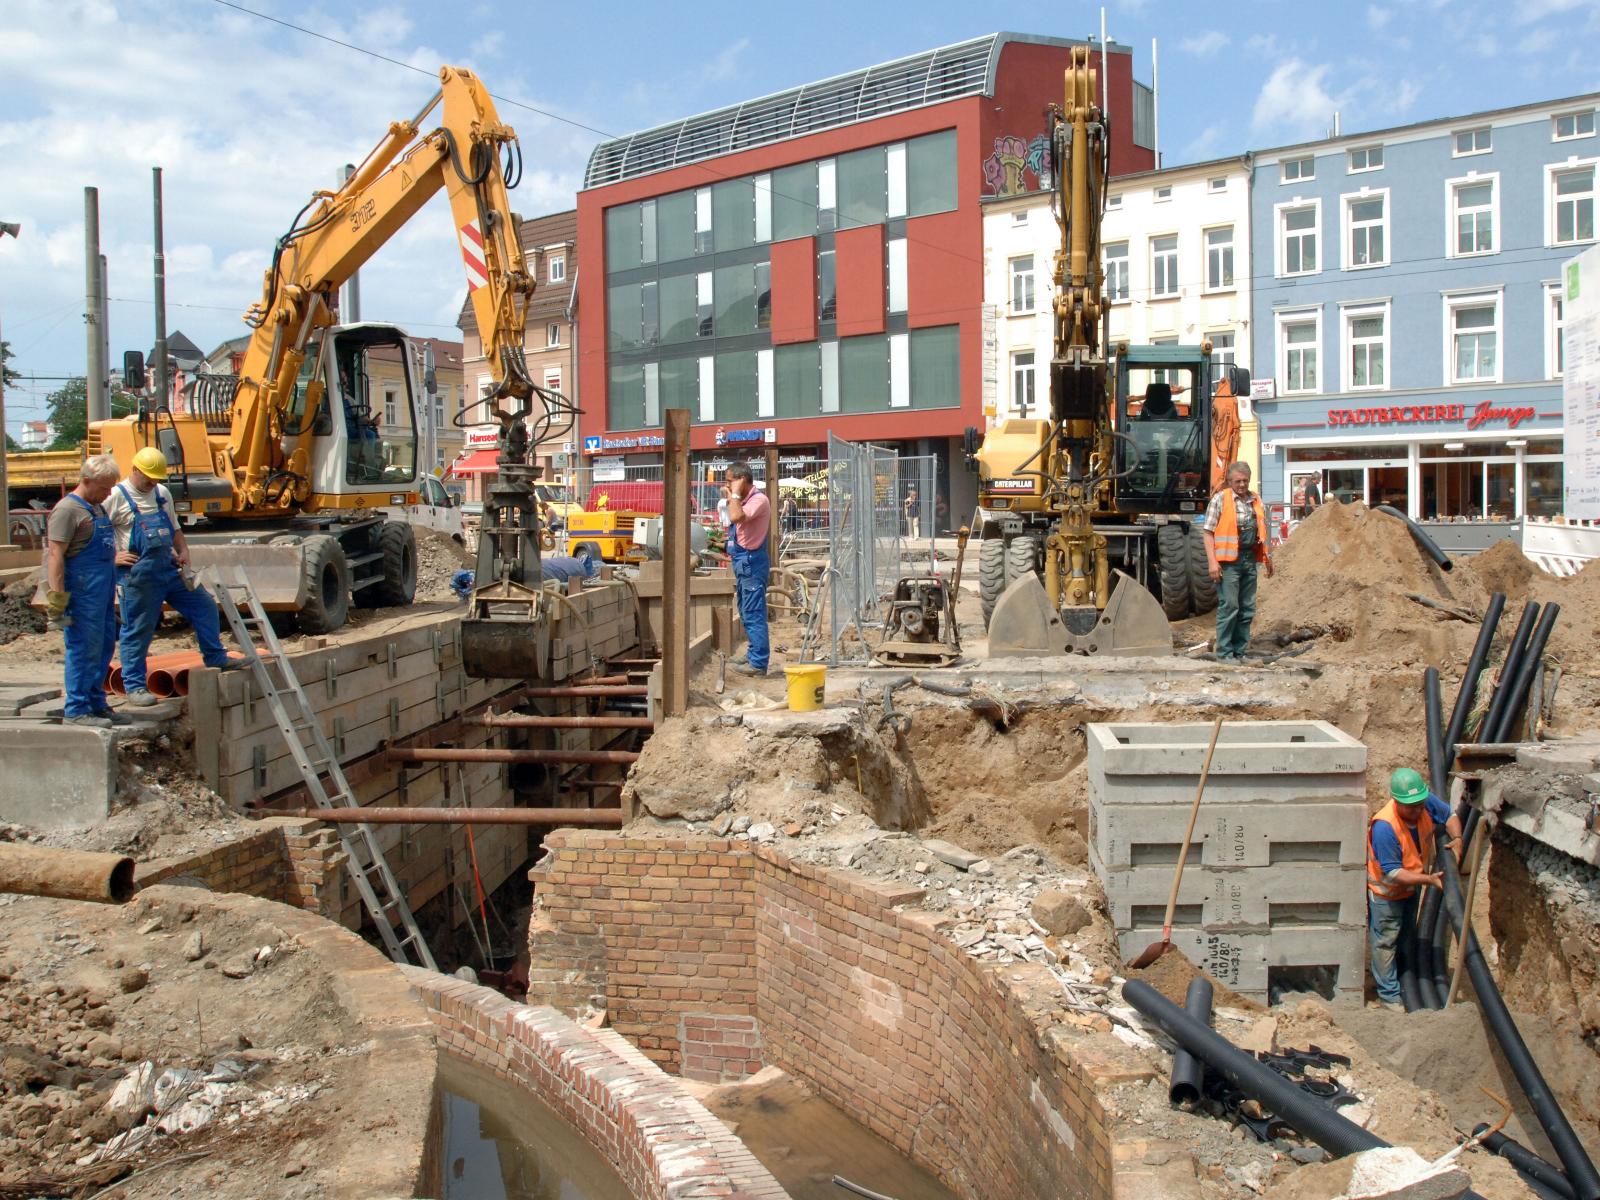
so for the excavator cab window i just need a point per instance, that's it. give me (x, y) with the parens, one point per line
(1163, 413)
(376, 406)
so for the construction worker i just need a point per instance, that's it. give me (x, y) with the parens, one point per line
(1400, 848)
(81, 582)
(152, 570)
(750, 515)
(1236, 531)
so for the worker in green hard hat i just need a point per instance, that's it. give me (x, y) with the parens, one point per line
(1400, 849)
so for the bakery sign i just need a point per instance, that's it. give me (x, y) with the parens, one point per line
(1475, 417)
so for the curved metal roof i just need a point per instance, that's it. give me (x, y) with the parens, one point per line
(932, 77)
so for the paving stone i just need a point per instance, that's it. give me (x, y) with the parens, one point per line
(947, 852)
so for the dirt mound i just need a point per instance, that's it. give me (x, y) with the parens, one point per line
(16, 617)
(1172, 973)
(1504, 568)
(439, 556)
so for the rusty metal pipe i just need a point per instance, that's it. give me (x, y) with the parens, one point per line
(432, 754)
(603, 817)
(534, 721)
(66, 874)
(579, 693)
(599, 681)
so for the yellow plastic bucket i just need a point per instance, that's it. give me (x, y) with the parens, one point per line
(807, 685)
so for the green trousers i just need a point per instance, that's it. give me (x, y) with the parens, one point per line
(1236, 605)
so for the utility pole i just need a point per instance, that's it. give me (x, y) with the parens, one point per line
(350, 293)
(430, 428)
(160, 350)
(14, 229)
(99, 408)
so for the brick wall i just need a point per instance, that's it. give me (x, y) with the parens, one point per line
(660, 1140)
(285, 859)
(835, 982)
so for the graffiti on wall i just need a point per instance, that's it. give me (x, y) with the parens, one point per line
(1014, 162)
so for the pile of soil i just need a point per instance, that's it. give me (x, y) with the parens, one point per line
(1172, 973)
(17, 617)
(439, 556)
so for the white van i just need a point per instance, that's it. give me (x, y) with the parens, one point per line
(436, 509)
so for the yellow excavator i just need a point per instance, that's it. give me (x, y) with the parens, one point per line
(1089, 543)
(285, 467)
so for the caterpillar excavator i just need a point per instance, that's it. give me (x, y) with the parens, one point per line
(1089, 542)
(285, 467)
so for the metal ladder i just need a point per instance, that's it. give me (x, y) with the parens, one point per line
(303, 732)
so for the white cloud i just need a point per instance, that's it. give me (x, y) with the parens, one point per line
(1264, 45)
(725, 64)
(1294, 101)
(1204, 44)
(1378, 17)
(1538, 41)
(1530, 11)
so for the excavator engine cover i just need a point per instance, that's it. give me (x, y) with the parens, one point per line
(1025, 626)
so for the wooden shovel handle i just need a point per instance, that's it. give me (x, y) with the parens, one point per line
(1194, 813)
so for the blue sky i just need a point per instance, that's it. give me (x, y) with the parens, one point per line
(247, 117)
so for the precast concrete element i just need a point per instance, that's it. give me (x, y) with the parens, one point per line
(1552, 794)
(56, 776)
(1273, 894)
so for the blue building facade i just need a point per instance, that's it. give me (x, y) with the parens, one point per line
(1406, 314)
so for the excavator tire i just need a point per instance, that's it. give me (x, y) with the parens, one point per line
(1021, 557)
(327, 578)
(397, 542)
(991, 574)
(1172, 564)
(1202, 588)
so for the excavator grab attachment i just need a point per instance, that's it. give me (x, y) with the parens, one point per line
(1024, 625)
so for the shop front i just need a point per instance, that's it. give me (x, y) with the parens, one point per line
(1493, 459)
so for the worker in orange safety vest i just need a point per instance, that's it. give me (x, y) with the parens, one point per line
(1236, 533)
(1400, 848)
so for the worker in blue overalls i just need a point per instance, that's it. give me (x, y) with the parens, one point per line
(152, 561)
(81, 584)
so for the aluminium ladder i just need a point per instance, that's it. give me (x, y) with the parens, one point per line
(384, 900)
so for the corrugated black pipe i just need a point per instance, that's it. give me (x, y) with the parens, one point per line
(1544, 1178)
(1580, 1172)
(1437, 950)
(1427, 901)
(1187, 1071)
(1429, 546)
(1508, 669)
(1527, 668)
(1468, 691)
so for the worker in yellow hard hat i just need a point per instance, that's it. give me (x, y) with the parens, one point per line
(152, 562)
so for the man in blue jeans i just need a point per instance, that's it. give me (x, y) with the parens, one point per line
(750, 514)
(1236, 534)
(1400, 848)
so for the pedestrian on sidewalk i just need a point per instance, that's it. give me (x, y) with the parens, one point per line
(153, 570)
(750, 515)
(1400, 849)
(81, 582)
(1235, 529)
(913, 515)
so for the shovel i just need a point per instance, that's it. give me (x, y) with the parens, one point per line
(1156, 949)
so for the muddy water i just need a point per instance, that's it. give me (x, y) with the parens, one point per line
(805, 1141)
(502, 1144)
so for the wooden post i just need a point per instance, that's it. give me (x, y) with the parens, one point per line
(675, 566)
(774, 528)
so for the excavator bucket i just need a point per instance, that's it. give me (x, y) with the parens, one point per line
(507, 635)
(1025, 626)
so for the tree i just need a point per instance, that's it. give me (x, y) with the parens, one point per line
(11, 443)
(7, 375)
(69, 412)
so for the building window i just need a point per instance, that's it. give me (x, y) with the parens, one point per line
(1555, 354)
(1297, 341)
(1574, 125)
(763, 208)
(1113, 202)
(931, 176)
(1472, 216)
(827, 288)
(702, 220)
(1470, 141)
(1164, 266)
(1297, 239)
(1367, 158)
(558, 262)
(895, 165)
(1366, 335)
(1019, 216)
(1223, 352)
(1023, 385)
(1293, 170)
(1572, 202)
(897, 275)
(705, 313)
(1116, 270)
(390, 401)
(1367, 223)
(1163, 193)
(1171, 375)
(552, 379)
(1219, 184)
(438, 410)
(1219, 258)
(1022, 284)
(1473, 323)
(552, 334)
(763, 295)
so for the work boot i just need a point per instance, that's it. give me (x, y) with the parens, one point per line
(743, 667)
(115, 718)
(233, 664)
(87, 720)
(140, 698)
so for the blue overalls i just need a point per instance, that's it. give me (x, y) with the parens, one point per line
(750, 571)
(91, 581)
(153, 581)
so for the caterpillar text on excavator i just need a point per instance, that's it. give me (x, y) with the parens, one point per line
(1089, 541)
(285, 468)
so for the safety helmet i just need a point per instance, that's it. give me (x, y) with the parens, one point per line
(1408, 786)
(151, 463)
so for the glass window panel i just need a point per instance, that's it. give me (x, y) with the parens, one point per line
(794, 202)
(1303, 333)
(763, 290)
(649, 314)
(735, 300)
(680, 383)
(931, 173)
(797, 382)
(675, 227)
(733, 214)
(1367, 327)
(622, 238)
(625, 397)
(1544, 498)
(647, 231)
(863, 188)
(864, 373)
(1299, 218)
(679, 310)
(623, 309)
(736, 386)
(1475, 318)
(827, 291)
(897, 275)
(936, 367)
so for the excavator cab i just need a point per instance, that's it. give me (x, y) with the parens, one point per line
(364, 438)
(1164, 417)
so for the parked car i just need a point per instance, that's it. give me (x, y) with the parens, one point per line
(436, 509)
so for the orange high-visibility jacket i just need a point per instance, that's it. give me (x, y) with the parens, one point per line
(1411, 852)
(1227, 532)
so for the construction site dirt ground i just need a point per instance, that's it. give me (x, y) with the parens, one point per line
(1001, 771)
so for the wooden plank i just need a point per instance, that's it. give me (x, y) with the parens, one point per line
(675, 565)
